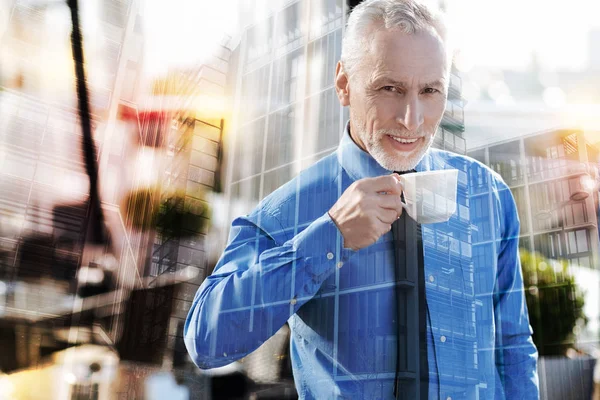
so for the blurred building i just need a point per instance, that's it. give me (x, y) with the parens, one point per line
(178, 124)
(159, 160)
(43, 183)
(553, 178)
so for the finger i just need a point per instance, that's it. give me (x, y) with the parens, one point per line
(384, 228)
(390, 202)
(387, 183)
(387, 216)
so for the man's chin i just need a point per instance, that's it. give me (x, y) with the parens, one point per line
(394, 160)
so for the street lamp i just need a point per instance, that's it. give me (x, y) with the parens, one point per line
(587, 185)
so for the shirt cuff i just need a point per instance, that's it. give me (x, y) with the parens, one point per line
(321, 246)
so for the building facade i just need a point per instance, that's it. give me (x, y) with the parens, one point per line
(286, 112)
(553, 178)
(43, 182)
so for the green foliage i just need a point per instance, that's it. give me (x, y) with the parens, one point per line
(554, 301)
(175, 216)
(179, 216)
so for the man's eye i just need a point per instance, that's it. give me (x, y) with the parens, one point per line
(389, 88)
(430, 91)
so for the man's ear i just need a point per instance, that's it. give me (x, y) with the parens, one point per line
(342, 85)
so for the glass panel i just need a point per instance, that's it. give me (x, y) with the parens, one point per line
(290, 28)
(323, 55)
(323, 121)
(288, 77)
(281, 138)
(255, 91)
(582, 241)
(259, 41)
(248, 154)
(276, 178)
(325, 16)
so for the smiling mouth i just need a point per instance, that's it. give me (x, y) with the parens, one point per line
(405, 141)
(404, 144)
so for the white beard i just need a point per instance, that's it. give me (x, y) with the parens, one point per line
(391, 159)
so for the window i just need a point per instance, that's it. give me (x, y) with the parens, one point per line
(448, 141)
(575, 214)
(287, 77)
(280, 138)
(578, 241)
(519, 196)
(276, 178)
(480, 217)
(259, 41)
(248, 189)
(323, 121)
(323, 54)
(248, 153)
(325, 16)
(255, 92)
(290, 29)
(460, 145)
(549, 244)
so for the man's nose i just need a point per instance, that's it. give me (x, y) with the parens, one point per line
(411, 116)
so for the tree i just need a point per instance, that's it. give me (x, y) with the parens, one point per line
(554, 301)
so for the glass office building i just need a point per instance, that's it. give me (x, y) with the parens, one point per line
(286, 114)
(43, 182)
(552, 176)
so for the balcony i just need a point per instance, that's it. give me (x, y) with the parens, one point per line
(505, 159)
(446, 140)
(454, 118)
(455, 87)
(541, 169)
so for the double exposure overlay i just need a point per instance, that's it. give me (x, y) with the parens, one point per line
(193, 203)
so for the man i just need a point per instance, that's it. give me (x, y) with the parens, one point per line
(318, 252)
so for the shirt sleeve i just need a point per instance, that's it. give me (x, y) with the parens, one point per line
(516, 354)
(257, 285)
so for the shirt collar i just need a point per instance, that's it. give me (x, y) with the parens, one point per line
(359, 164)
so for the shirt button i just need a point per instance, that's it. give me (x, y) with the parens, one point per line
(431, 278)
(330, 256)
(293, 301)
(340, 264)
(448, 398)
(443, 339)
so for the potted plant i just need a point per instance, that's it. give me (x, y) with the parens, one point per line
(555, 305)
(173, 214)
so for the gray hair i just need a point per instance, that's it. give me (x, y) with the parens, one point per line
(410, 16)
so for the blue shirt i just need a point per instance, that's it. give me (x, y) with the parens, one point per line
(285, 261)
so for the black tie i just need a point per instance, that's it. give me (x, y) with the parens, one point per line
(412, 367)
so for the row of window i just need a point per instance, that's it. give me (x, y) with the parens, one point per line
(290, 26)
(295, 76)
(285, 143)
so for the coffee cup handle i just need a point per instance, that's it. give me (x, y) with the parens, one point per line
(402, 201)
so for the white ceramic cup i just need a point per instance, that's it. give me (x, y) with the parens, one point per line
(430, 196)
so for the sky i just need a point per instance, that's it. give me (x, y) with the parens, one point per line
(184, 32)
(489, 33)
(491, 36)
(504, 34)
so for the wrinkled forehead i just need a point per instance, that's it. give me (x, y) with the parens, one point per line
(396, 52)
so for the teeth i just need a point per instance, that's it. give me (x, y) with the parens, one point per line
(403, 140)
